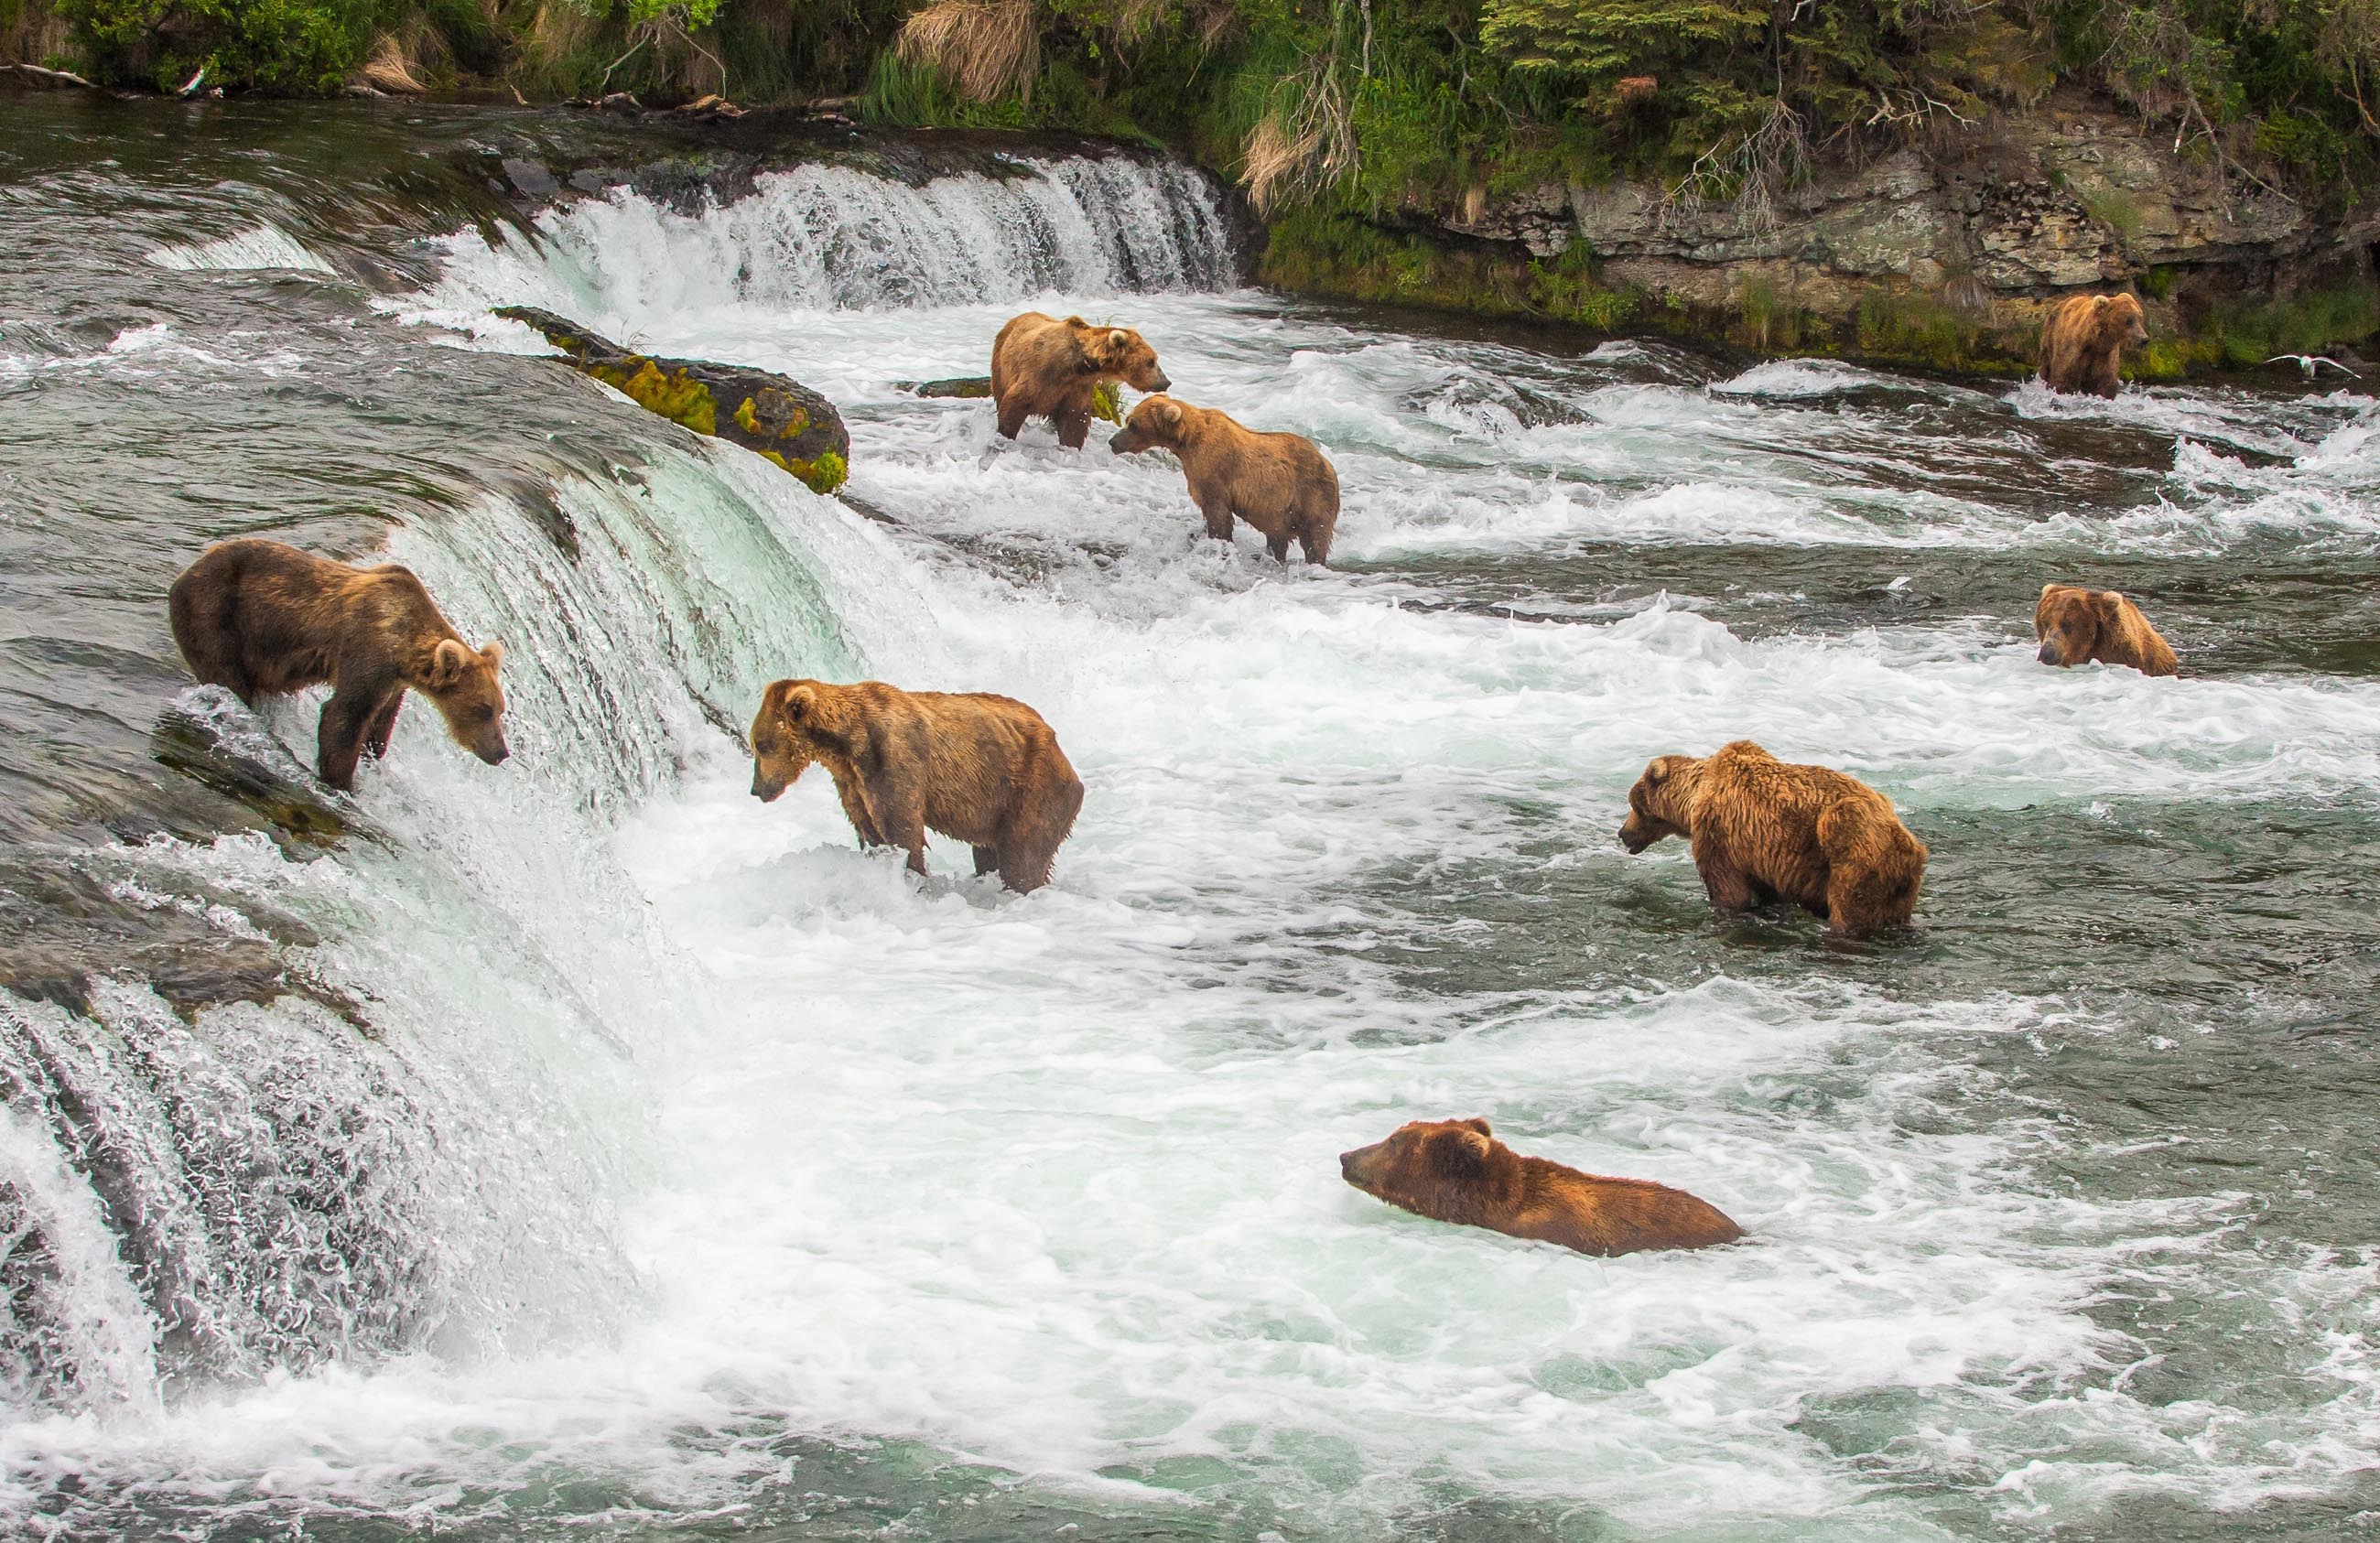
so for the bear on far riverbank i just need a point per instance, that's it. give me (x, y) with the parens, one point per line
(2084, 339)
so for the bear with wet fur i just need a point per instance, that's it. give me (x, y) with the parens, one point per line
(977, 767)
(2077, 626)
(2084, 339)
(1765, 830)
(1281, 483)
(262, 619)
(1045, 368)
(1457, 1170)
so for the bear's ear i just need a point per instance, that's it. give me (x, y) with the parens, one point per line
(2111, 603)
(495, 655)
(796, 703)
(447, 663)
(1459, 1154)
(1117, 339)
(1477, 1124)
(1657, 770)
(2101, 302)
(1170, 411)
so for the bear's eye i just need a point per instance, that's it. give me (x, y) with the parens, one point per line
(484, 714)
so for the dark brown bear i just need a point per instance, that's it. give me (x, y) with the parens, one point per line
(2079, 627)
(1045, 368)
(1457, 1170)
(980, 769)
(1764, 831)
(1279, 483)
(2084, 339)
(261, 618)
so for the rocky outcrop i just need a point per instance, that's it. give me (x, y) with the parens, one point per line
(1991, 222)
(759, 410)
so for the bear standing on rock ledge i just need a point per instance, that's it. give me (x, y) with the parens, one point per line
(260, 618)
(1765, 830)
(2084, 339)
(977, 767)
(1045, 368)
(1457, 1170)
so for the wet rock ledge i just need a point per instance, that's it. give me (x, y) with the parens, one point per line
(760, 411)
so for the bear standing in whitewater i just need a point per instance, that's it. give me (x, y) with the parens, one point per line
(1045, 368)
(1457, 1170)
(1282, 484)
(977, 767)
(2084, 339)
(2076, 625)
(260, 618)
(1765, 830)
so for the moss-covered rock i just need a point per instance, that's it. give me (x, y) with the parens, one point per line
(759, 410)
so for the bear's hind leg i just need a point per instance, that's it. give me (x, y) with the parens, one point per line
(986, 859)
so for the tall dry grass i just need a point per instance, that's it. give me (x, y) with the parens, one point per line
(987, 49)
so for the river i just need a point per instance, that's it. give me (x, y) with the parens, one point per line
(581, 1147)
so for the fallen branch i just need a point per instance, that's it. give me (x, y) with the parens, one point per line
(51, 77)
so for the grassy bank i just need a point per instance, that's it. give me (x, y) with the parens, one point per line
(1355, 125)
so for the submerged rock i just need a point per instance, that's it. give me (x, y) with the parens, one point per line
(759, 410)
(207, 735)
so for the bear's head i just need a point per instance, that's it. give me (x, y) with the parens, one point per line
(1155, 424)
(2117, 321)
(1120, 353)
(462, 681)
(787, 733)
(2070, 621)
(1452, 1169)
(1660, 805)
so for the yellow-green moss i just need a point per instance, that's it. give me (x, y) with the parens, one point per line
(1107, 401)
(674, 393)
(825, 473)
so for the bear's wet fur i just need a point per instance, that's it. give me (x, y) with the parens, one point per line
(2084, 339)
(977, 767)
(2076, 625)
(1764, 831)
(1457, 1170)
(1282, 484)
(1043, 367)
(260, 619)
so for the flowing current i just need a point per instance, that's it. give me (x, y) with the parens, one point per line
(582, 1147)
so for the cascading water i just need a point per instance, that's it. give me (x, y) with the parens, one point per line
(613, 1150)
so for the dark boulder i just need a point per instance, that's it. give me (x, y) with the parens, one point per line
(759, 410)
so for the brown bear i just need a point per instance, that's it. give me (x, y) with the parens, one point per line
(2084, 339)
(1279, 483)
(2077, 626)
(1457, 1170)
(977, 767)
(261, 618)
(1764, 831)
(1045, 368)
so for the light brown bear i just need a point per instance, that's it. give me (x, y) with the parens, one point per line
(2078, 627)
(1765, 830)
(980, 769)
(1457, 1170)
(2084, 339)
(1279, 483)
(1045, 368)
(261, 618)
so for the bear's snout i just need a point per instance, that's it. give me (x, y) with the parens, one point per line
(1161, 380)
(1351, 1165)
(765, 787)
(494, 755)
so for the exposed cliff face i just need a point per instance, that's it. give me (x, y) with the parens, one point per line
(1972, 235)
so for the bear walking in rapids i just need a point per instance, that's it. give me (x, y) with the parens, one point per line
(977, 767)
(260, 618)
(2084, 627)
(1045, 368)
(1457, 1170)
(1282, 484)
(1765, 830)
(2084, 339)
